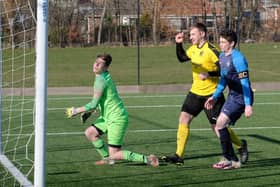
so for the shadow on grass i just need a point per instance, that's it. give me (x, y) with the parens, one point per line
(64, 173)
(203, 156)
(248, 171)
(220, 181)
(264, 138)
(115, 179)
(263, 163)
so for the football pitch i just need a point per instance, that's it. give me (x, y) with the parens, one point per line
(153, 120)
(158, 65)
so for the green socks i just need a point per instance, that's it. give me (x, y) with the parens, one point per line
(101, 148)
(131, 156)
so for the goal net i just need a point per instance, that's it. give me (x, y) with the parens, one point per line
(18, 108)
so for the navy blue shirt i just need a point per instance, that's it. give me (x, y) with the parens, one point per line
(234, 74)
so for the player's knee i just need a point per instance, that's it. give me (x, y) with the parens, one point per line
(220, 124)
(91, 133)
(185, 118)
(222, 121)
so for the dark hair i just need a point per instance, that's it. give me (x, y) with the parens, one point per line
(106, 57)
(229, 35)
(200, 27)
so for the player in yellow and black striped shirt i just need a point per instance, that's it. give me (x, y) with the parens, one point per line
(205, 72)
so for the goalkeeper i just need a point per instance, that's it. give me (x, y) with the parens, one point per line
(113, 119)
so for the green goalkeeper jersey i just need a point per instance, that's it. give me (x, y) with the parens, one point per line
(108, 100)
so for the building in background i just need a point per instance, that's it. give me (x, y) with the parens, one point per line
(91, 22)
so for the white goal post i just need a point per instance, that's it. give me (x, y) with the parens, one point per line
(41, 91)
(23, 75)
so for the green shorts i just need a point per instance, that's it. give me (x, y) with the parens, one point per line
(115, 130)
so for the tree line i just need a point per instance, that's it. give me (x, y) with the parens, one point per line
(100, 22)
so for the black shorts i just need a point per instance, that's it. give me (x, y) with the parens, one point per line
(194, 104)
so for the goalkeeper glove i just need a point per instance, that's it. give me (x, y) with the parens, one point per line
(85, 116)
(70, 112)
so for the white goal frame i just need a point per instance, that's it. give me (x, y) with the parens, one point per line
(40, 103)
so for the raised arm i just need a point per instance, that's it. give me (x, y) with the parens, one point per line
(180, 51)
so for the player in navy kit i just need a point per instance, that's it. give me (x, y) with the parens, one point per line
(235, 75)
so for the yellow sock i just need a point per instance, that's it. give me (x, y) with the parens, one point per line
(234, 138)
(182, 138)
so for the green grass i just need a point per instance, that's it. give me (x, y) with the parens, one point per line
(152, 129)
(159, 65)
(70, 157)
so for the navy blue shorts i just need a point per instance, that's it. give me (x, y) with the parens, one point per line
(233, 109)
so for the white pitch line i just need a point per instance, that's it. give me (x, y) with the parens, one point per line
(128, 96)
(149, 96)
(167, 106)
(122, 96)
(137, 106)
(268, 103)
(172, 130)
(146, 130)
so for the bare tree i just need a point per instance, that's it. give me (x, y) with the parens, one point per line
(226, 14)
(230, 15)
(60, 23)
(253, 17)
(156, 21)
(204, 11)
(228, 4)
(73, 34)
(101, 22)
(118, 20)
(215, 34)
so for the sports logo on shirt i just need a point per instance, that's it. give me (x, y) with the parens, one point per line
(243, 75)
(228, 63)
